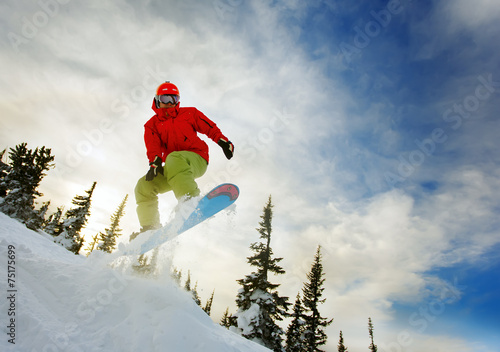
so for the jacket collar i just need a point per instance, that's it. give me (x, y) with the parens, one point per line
(166, 113)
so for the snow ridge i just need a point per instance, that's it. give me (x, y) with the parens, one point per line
(66, 302)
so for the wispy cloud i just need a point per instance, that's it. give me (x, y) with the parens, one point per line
(318, 132)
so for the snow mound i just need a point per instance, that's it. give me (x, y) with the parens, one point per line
(64, 302)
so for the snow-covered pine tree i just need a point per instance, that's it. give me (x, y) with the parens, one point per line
(108, 238)
(38, 220)
(295, 331)
(54, 225)
(74, 221)
(314, 334)
(373, 347)
(26, 171)
(341, 346)
(259, 304)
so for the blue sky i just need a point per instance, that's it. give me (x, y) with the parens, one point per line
(469, 306)
(376, 135)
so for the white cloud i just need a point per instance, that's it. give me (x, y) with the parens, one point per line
(475, 15)
(405, 340)
(450, 26)
(291, 130)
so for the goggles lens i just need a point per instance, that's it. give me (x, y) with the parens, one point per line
(168, 99)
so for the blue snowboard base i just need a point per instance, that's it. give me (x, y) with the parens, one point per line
(216, 200)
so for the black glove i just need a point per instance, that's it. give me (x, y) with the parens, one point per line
(227, 147)
(154, 168)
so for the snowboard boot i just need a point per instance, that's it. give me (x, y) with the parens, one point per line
(143, 229)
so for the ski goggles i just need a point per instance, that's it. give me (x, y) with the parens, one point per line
(168, 99)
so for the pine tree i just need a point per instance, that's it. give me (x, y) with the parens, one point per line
(192, 290)
(53, 224)
(196, 296)
(341, 347)
(176, 276)
(259, 304)
(373, 347)
(92, 245)
(143, 265)
(227, 319)
(314, 335)
(187, 284)
(20, 181)
(4, 171)
(38, 220)
(295, 331)
(74, 221)
(108, 238)
(208, 306)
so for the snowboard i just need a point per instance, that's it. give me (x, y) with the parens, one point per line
(213, 202)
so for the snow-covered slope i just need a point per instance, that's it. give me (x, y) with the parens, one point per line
(64, 302)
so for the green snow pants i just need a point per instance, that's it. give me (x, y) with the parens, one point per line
(180, 170)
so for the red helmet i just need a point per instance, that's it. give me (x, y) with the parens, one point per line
(167, 88)
(167, 92)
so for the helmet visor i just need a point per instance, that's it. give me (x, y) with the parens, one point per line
(168, 99)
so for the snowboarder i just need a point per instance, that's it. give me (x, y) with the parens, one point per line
(177, 156)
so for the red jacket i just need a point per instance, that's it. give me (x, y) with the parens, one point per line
(175, 129)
